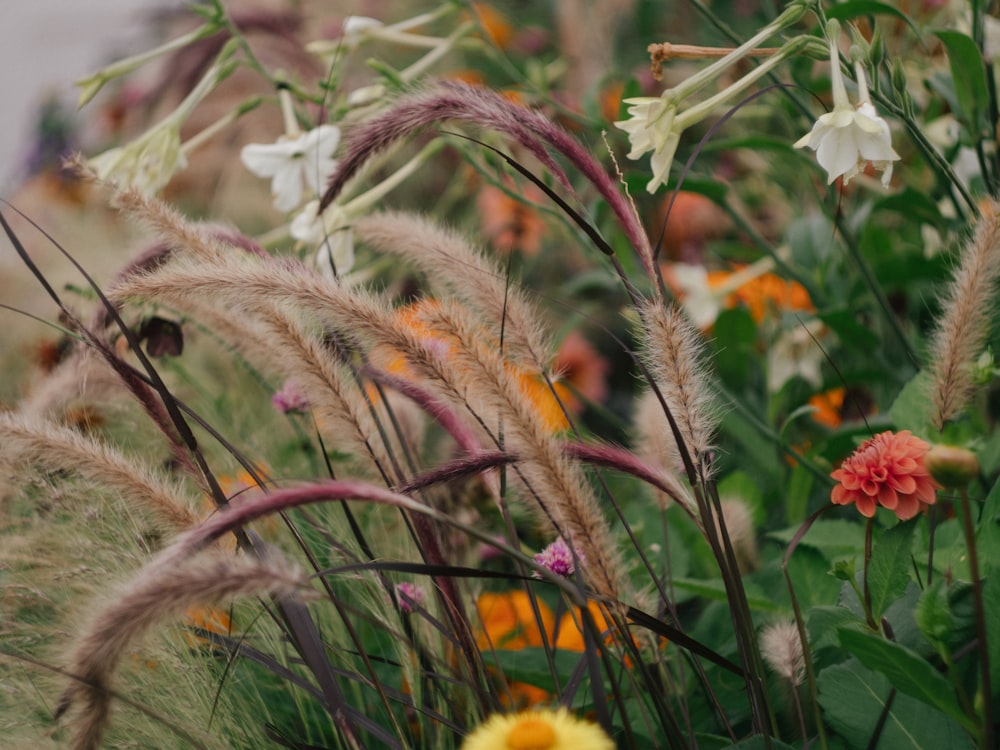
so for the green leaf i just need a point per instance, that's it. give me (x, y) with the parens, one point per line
(889, 567)
(849, 10)
(851, 333)
(824, 622)
(735, 340)
(911, 409)
(988, 533)
(933, 614)
(853, 698)
(908, 672)
(715, 589)
(968, 75)
(758, 742)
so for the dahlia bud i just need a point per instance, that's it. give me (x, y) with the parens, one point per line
(952, 466)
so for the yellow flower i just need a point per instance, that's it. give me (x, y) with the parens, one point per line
(538, 730)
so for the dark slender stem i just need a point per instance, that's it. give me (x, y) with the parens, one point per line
(988, 737)
(867, 592)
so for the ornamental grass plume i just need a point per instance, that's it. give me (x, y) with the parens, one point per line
(963, 326)
(887, 470)
(538, 730)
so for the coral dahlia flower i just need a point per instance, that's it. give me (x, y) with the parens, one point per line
(888, 470)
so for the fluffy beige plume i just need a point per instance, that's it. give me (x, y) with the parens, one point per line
(453, 268)
(250, 284)
(468, 371)
(672, 349)
(963, 326)
(558, 484)
(153, 596)
(654, 442)
(781, 647)
(56, 448)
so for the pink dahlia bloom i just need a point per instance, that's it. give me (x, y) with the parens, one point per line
(888, 470)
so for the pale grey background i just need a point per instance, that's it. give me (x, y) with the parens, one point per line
(45, 45)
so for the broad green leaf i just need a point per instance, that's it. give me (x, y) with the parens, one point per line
(933, 614)
(809, 571)
(988, 533)
(851, 333)
(889, 567)
(824, 622)
(833, 537)
(911, 409)
(853, 698)
(968, 75)
(857, 8)
(715, 589)
(908, 672)
(735, 340)
(757, 742)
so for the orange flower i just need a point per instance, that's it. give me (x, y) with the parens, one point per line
(582, 368)
(693, 220)
(532, 384)
(769, 294)
(828, 406)
(888, 470)
(570, 634)
(211, 619)
(509, 620)
(511, 223)
(509, 623)
(496, 27)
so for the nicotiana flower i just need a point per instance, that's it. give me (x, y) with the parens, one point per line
(655, 123)
(151, 160)
(542, 729)
(331, 234)
(887, 470)
(849, 137)
(287, 162)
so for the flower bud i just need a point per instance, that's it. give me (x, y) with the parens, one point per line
(952, 466)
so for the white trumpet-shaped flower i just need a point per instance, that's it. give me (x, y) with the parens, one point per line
(291, 160)
(848, 138)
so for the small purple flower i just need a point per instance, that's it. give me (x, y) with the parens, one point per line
(290, 398)
(558, 558)
(410, 596)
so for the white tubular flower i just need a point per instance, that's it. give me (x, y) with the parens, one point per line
(151, 160)
(147, 163)
(290, 160)
(849, 137)
(650, 127)
(331, 233)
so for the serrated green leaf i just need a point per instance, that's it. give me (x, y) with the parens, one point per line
(825, 621)
(933, 614)
(853, 698)
(968, 76)
(758, 742)
(889, 567)
(911, 409)
(908, 672)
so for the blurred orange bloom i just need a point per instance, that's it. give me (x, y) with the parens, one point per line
(693, 220)
(511, 223)
(211, 619)
(769, 294)
(583, 369)
(496, 26)
(828, 407)
(569, 637)
(545, 399)
(509, 621)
